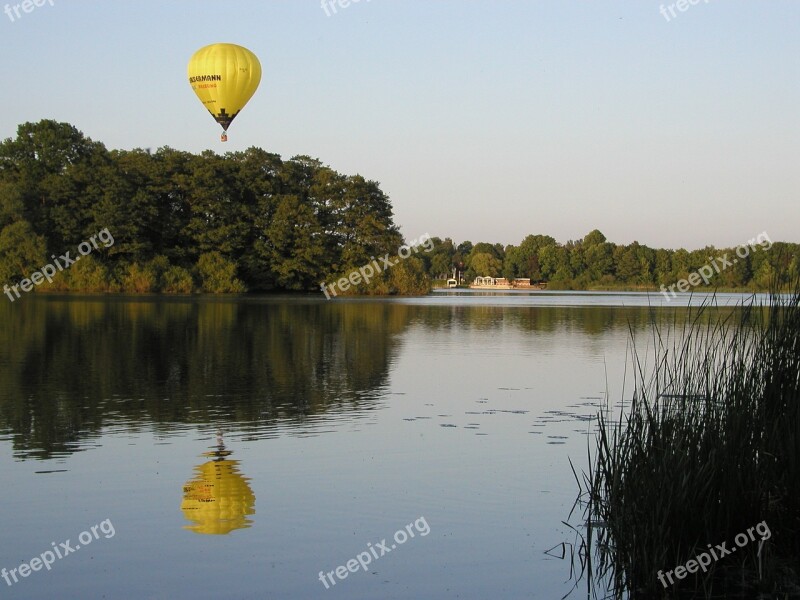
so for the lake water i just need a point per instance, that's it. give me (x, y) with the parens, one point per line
(237, 447)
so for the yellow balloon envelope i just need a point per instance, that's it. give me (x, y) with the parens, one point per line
(218, 499)
(224, 77)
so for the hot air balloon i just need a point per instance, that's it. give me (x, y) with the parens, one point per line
(224, 77)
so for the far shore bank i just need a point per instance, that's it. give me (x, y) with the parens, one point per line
(312, 294)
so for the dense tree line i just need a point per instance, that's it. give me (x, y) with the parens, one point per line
(594, 262)
(184, 222)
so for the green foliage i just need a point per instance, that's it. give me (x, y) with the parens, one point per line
(177, 280)
(293, 245)
(12, 207)
(218, 220)
(281, 224)
(594, 238)
(765, 275)
(218, 275)
(441, 265)
(380, 285)
(527, 262)
(138, 279)
(484, 264)
(266, 223)
(21, 252)
(595, 263)
(89, 275)
(409, 278)
(600, 260)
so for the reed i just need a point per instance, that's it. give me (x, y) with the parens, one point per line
(708, 447)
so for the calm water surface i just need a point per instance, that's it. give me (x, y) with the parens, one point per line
(238, 447)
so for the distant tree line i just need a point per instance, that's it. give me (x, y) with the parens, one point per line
(594, 262)
(250, 221)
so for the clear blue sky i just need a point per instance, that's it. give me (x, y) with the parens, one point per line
(483, 120)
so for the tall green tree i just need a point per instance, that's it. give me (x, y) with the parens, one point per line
(52, 166)
(219, 221)
(22, 251)
(294, 245)
(484, 264)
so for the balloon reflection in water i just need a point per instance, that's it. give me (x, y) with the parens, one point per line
(218, 499)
